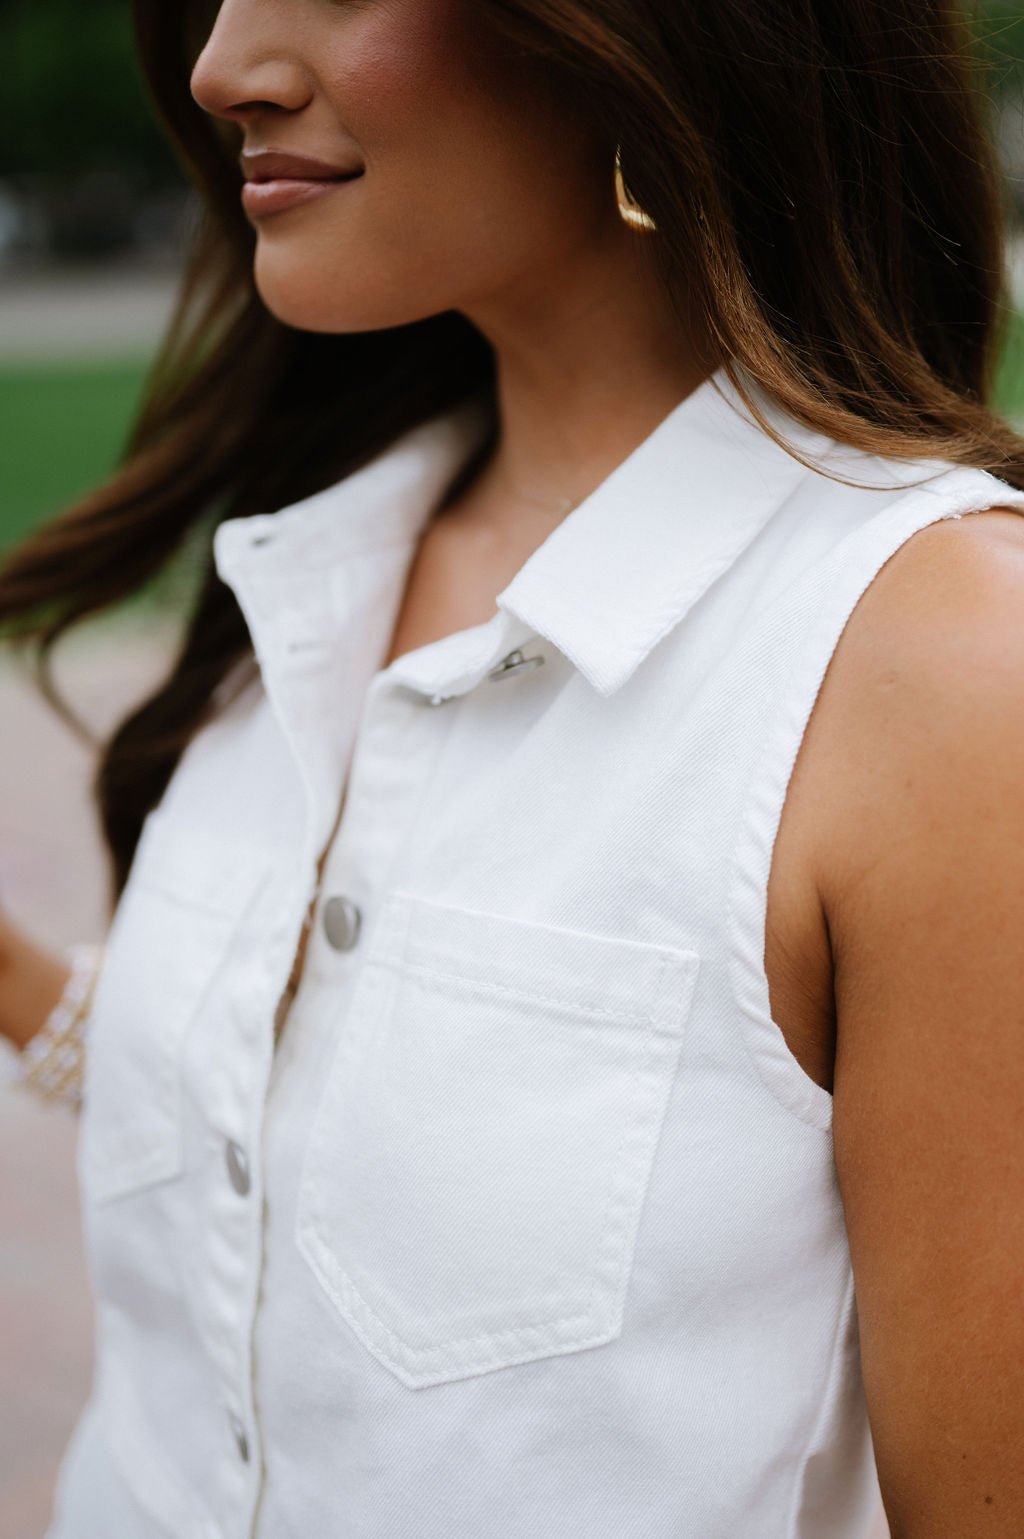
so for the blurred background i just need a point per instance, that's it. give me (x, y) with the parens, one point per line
(94, 220)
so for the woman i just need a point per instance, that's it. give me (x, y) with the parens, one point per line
(556, 1065)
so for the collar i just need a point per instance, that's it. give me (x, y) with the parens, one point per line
(614, 577)
(627, 565)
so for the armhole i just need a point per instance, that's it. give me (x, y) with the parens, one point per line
(831, 595)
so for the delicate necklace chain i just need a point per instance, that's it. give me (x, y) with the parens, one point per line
(563, 506)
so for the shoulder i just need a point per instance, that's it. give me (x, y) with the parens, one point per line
(923, 696)
(949, 586)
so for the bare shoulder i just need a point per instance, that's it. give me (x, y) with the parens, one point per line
(924, 694)
(949, 598)
(914, 763)
(942, 584)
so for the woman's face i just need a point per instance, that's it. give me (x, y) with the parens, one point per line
(478, 179)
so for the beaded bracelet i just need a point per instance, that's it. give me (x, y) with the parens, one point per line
(51, 1062)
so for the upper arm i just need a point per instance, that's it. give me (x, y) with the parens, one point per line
(920, 727)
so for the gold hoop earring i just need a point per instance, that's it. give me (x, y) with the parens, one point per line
(629, 208)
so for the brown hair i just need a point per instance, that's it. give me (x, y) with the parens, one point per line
(822, 185)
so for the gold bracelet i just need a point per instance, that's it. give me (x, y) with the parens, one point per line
(51, 1062)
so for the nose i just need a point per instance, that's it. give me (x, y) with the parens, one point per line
(248, 64)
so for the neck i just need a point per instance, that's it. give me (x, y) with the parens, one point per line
(589, 361)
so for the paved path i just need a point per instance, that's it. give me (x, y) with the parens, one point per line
(68, 314)
(45, 1309)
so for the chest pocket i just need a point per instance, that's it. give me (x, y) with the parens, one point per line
(185, 899)
(477, 1166)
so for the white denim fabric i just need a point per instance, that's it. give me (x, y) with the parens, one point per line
(528, 1226)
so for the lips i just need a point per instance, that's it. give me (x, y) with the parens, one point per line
(275, 180)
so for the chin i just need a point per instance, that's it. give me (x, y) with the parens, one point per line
(310, 300)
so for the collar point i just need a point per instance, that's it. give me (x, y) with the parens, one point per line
(606, 677)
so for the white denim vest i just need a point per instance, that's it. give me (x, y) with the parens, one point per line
(528, 1226)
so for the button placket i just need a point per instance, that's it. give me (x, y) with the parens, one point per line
(391, 742)
(458, 670)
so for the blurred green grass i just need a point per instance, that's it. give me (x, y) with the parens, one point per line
(1009, 390)
(62, 427)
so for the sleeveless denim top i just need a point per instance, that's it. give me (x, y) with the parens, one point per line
(528, 1223)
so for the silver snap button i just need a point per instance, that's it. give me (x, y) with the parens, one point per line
(241, 1441)
(238, 1167)
(341, 923)
(515, 662)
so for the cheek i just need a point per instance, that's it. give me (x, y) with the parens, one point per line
(436, 99)
(397, 69)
